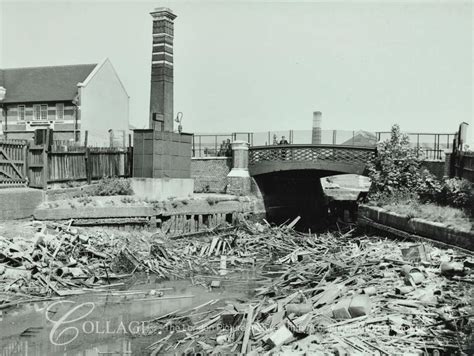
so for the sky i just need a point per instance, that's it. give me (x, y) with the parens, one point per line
(259, 66)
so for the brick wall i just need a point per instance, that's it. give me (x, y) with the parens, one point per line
(436, 167)
(210, 173)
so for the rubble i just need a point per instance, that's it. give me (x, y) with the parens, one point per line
(328, 293)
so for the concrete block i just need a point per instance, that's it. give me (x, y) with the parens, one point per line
(280, 337)
(161, 189)
(360, 305)
(19, 203)
(341, 309)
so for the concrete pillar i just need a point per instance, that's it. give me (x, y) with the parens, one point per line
(316, 135)
(239, 177)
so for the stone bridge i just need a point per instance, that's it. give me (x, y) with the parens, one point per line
(326, 159)
(288, 176)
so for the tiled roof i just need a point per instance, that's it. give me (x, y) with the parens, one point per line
(40, 84)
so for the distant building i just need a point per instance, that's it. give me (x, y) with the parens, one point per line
(68, 99)
(362, 138)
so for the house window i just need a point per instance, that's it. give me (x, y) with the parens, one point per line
(37, 112)
(59, 111)
(44, 112)
(21, 112)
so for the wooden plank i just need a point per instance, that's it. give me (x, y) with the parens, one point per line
(7, 174)
(15, 168)
(247, 330)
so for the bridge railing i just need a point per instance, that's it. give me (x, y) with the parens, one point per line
(209, 145)
(282, 153)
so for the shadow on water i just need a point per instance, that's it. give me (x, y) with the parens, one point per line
(113, 322)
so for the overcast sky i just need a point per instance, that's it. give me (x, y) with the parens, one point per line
(257, 66)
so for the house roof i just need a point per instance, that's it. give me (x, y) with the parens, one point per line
(362, 138)
(40, 84)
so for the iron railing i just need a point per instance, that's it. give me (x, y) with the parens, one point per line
(209, 145)
(342, 154)
(433, 145)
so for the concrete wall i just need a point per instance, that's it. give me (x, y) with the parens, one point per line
(19, 203)
(210, 173)
(161, 189)
(104, 104)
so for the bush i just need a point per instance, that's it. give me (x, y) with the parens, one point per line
(456, 192)
(396, 169)
(112, 186)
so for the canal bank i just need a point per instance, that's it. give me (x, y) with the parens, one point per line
(176, 216)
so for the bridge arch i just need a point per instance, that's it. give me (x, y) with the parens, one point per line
(289, 178)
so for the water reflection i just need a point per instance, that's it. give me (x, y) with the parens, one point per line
(113, 326)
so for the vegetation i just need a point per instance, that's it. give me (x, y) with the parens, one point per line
(411, 206)
(400, 184)
(397, 169)
(112, 186)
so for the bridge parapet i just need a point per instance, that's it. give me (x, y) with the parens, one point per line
(331, 158)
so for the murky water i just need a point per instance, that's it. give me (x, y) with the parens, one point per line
(112, 322)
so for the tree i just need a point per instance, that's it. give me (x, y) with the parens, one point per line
(396, 168)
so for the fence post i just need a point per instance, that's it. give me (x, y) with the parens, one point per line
(111, 138)
(88, 165)
(25, 161)
(130, 156)
(86, 157)
(45, 160)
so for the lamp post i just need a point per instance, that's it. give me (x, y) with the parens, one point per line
(3, 92)
(179, 120)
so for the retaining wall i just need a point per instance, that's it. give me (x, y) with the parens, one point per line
(421, 227)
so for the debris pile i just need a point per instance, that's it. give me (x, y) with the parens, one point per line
(329, 293)
(334, 295)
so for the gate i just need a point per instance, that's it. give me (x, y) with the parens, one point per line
(13, 166)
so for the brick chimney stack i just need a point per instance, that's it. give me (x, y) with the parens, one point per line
(316, 135)
(161, 96)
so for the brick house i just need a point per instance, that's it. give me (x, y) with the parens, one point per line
(69, 99)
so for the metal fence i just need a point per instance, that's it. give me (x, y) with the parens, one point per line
(212, 145)
(433, 145)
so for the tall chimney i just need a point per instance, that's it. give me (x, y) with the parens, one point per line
(161, 96)
(316, 136)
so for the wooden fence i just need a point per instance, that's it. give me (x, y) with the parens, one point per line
(13, 163)
(463, 163)
(37, 165)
